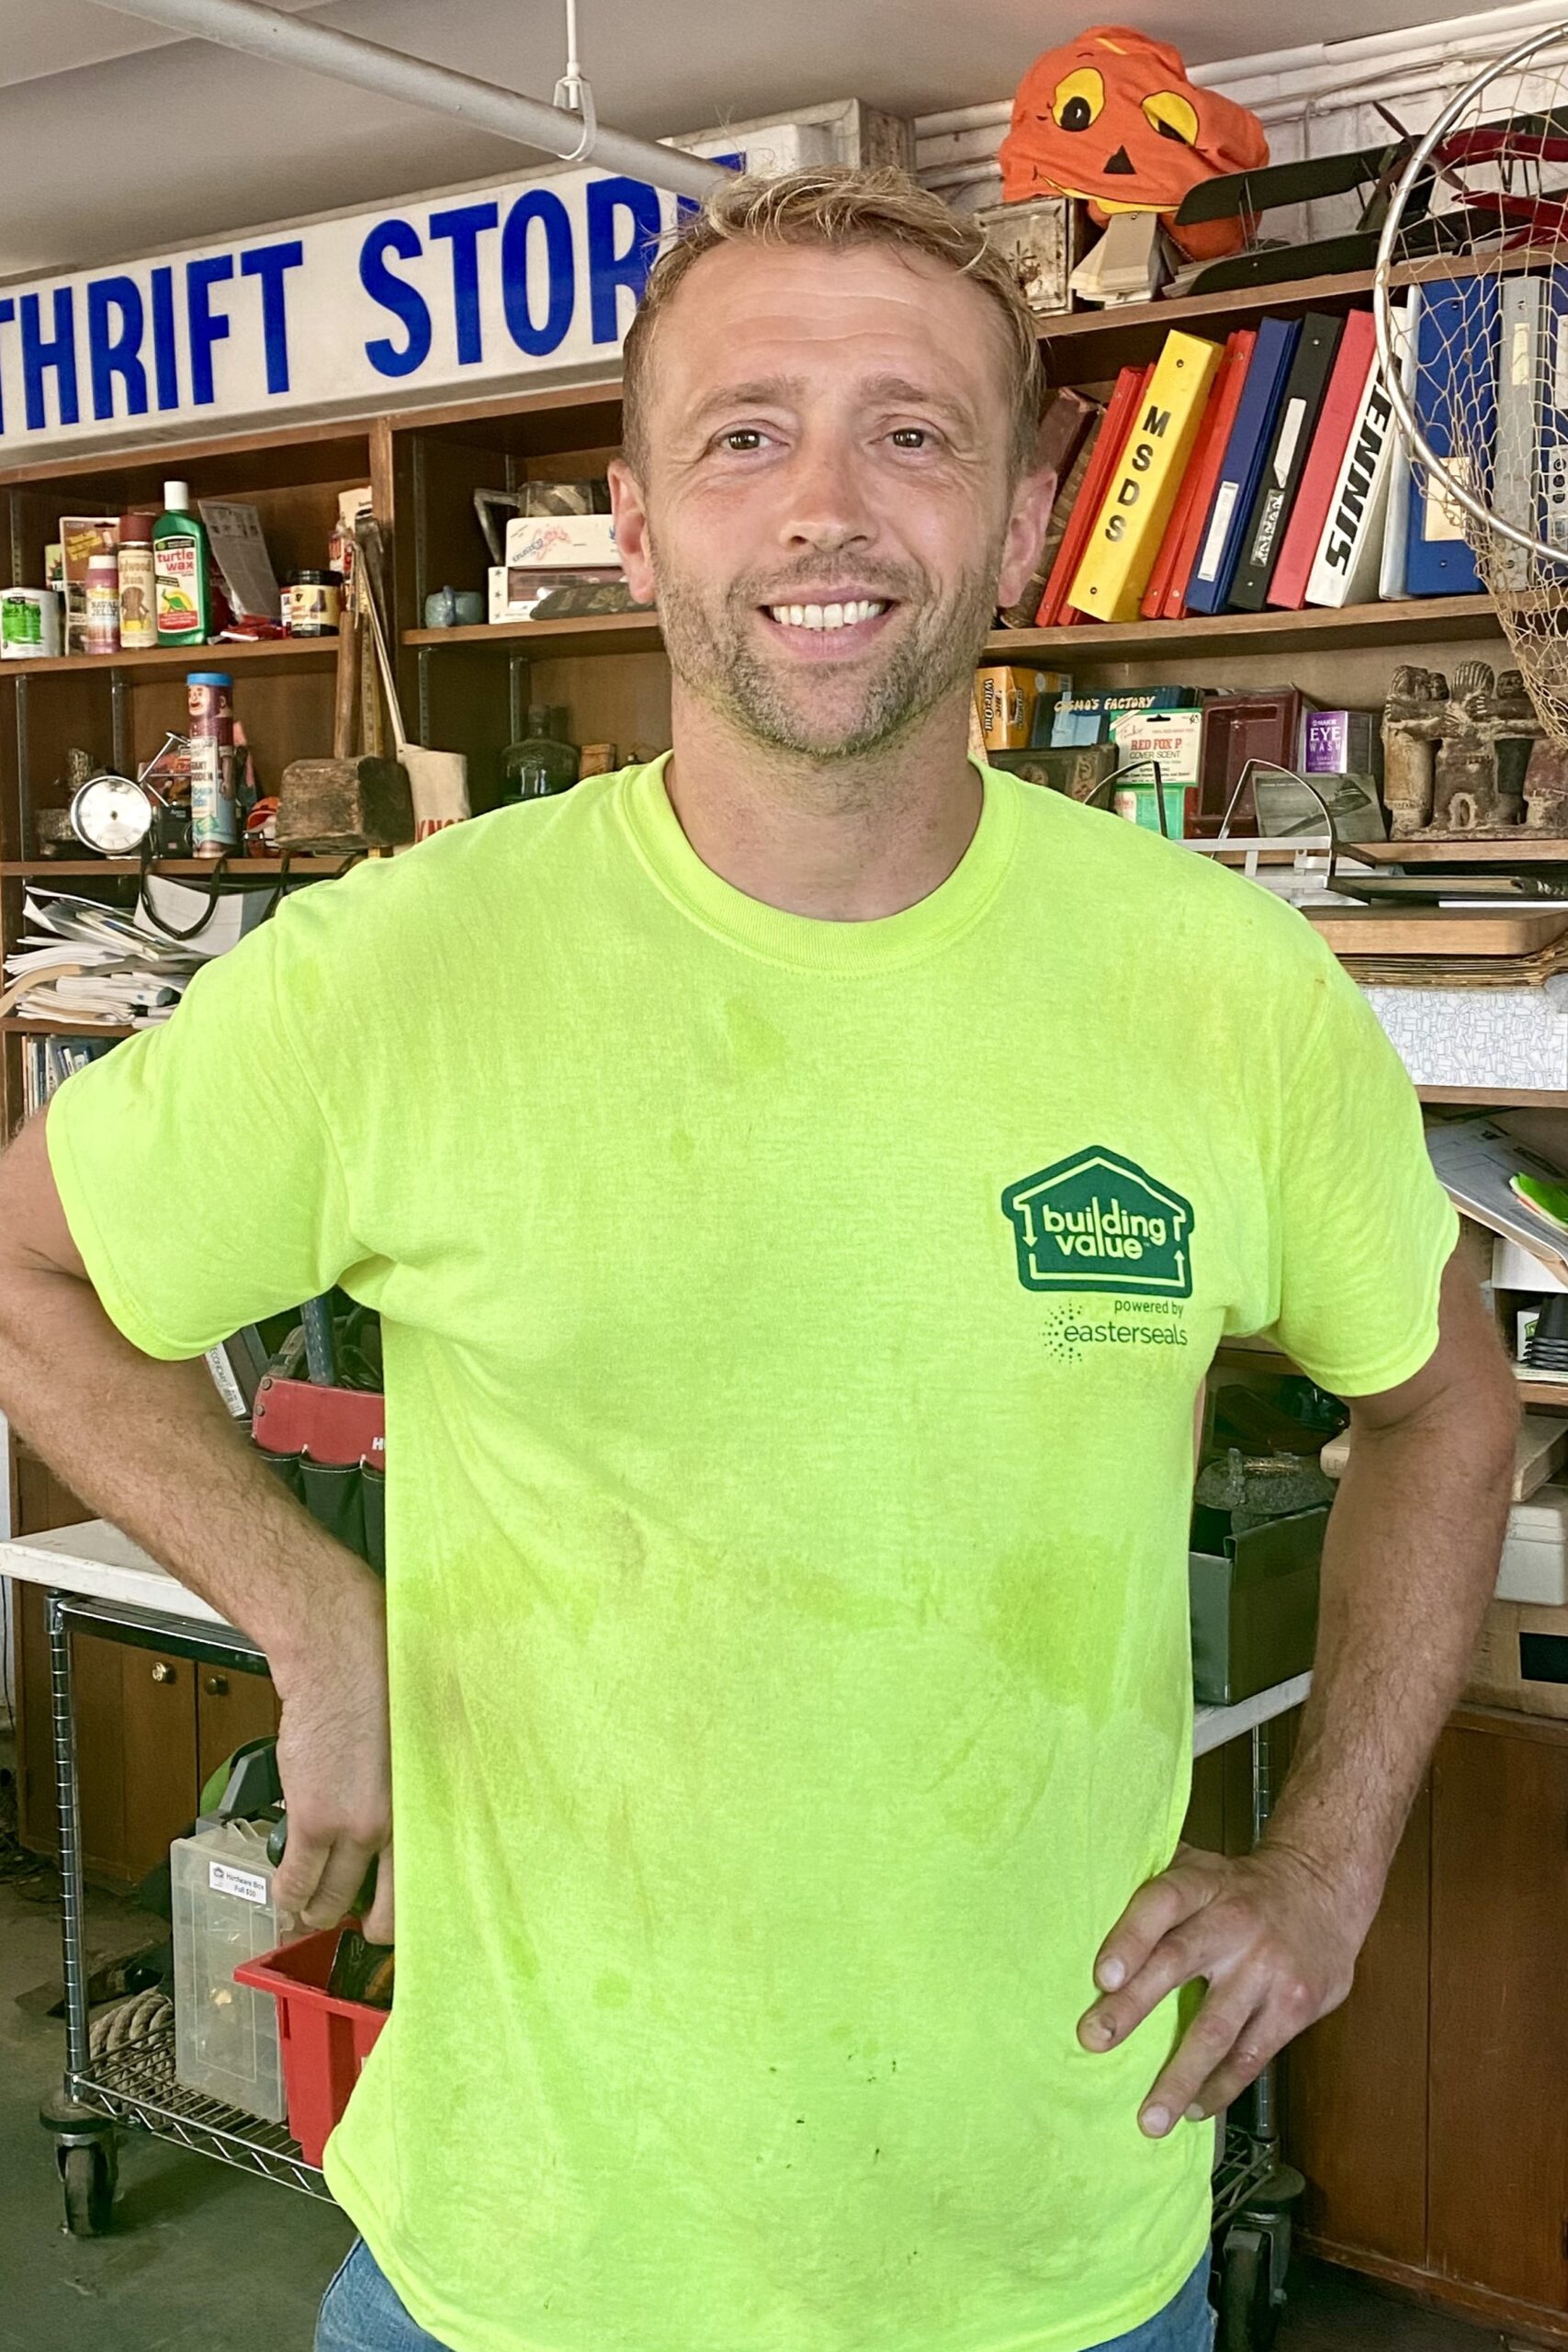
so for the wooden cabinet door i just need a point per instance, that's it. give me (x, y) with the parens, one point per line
(231, 1707)
(1355, 2085)
(1499, 2045)
(135, 1746)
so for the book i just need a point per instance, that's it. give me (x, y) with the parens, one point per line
(1456, 344)
(1230, 380)
(1107, 448)
(1159, 589)
(1067, 423)
(1353, 365)
(1396, 512)
(1269, 517)
(1208, 584)
(1551, 419)
(1521, 346)
(1347, 561)
(1118, 555)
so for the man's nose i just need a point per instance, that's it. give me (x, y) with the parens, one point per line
(827, 506)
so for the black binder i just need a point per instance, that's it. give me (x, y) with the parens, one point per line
(1294, 425)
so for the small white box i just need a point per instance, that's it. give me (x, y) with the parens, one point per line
(1535, 1551)
(1517, 1268)
(562, 543)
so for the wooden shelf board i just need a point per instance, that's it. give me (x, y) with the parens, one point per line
(1525, 849)
(1486, 1098)
(594, 633)
(1190, 309)
(178, 868)
(297, 652)
(1553, 1393)
(67, 1028)
(1095, 641)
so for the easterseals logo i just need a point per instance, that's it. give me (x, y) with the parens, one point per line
(1097, 1222)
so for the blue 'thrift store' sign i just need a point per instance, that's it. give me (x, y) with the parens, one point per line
(455, 293)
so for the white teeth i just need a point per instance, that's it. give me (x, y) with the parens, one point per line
(826, 616)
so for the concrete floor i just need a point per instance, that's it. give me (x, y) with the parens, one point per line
(202, 2259)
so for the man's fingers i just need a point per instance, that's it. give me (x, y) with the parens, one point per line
(300, 1872)
(340, 1884)
(1189, 1951)
(1177, 1894)
(1183, 2090)
(378, 1919)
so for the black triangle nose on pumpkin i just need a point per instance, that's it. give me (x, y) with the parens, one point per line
(1121, 162)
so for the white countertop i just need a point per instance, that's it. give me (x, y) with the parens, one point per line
(95, 1559)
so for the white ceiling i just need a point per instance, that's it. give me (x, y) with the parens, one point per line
(119, 138)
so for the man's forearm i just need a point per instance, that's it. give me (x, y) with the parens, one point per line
(151, 1445)
(1408, 1565)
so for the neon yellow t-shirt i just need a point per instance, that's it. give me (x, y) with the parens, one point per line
(792, 1333)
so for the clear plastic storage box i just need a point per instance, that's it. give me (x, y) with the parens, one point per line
(225, 2035)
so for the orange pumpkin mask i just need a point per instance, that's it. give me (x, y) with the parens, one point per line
(1112, 116)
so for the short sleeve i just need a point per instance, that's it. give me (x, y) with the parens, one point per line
(194, 1165)
(1362, 1228)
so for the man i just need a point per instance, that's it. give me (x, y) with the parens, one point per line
(804, 1182)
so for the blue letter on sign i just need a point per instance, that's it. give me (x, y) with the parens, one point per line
(268, 263)
(609, 270)
(463, 227)
(561, 272)
(205, 329)
(39, 358)
(166, 358)
(395, 294)
(108, 299)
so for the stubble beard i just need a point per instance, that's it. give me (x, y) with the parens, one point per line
(709, 637)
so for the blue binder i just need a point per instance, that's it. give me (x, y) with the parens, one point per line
(1457, 330)
(1219, 544)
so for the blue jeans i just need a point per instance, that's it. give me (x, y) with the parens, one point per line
(361, 2314)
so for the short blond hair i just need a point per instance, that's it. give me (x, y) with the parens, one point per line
(838, 205)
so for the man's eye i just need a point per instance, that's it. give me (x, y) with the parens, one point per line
(913, 436)
(741, 439)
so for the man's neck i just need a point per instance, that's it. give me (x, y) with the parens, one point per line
(845, 841)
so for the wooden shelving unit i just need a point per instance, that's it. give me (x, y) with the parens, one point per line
(1421, 620)
(173, 660)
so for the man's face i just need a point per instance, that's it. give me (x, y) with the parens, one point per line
(828, 514)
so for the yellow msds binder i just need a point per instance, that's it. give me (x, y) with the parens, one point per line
(1114, 569)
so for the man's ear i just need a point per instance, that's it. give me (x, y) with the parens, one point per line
(632, 543)
(1032, 505)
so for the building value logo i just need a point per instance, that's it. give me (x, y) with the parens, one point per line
(1095, 1221)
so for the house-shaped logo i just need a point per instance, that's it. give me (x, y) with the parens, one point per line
(1096, 1222)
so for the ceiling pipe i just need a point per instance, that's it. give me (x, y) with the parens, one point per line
(412, 81)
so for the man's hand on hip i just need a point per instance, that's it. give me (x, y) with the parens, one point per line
(334, 1759)
(1274, 1943)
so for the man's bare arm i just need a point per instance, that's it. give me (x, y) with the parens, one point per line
(150, 1445)
(1408, 1565)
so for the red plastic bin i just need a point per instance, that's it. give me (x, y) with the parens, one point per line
(324, 2040)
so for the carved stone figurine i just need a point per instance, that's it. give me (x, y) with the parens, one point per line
(1472, 760)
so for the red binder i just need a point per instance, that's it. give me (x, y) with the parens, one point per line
(1353, 362)
(1203, 472)
(1119, 417)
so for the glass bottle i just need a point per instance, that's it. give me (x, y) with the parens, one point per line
(541, 764)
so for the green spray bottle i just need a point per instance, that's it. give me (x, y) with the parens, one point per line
(182, 564)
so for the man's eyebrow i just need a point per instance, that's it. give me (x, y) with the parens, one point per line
(783, 391)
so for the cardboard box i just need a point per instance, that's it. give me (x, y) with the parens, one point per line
(1521, 1659)
(1336, 740)
(562, 543)
(516, 590)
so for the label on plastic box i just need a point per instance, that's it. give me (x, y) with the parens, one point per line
(249, 1885)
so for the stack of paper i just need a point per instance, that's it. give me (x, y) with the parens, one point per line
(92, 964)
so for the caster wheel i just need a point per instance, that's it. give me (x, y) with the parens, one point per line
(87, 2177)
(1250, 2304)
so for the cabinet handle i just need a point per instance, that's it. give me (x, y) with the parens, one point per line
(163, 1672)
(216, 1686)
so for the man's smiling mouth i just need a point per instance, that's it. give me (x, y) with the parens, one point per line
(845, 615)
